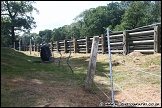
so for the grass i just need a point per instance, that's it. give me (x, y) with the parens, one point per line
(16, 64)
(25, 80)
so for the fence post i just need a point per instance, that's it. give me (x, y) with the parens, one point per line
(103, 41)
(87, 44)
(156, 39)
(92, 63)
(37, 48)
(19, 45)
(14, 45)
(24, 47)
(57, 43)
(65, 46)
(125, 42)
(30, 47)
(51, 46)
(34, 46)
(75, 45)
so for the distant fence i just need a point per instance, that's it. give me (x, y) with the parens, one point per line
(144, 40)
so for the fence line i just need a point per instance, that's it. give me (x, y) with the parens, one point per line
(126, 51)
(145, 39)
(119, 87)
(91, 89)
(124, 92)
(142, 40)
(102, 91)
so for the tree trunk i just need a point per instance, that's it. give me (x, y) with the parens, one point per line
(13, 35)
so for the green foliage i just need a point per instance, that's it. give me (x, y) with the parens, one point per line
(133, 16)
(118, 16)
(5, 32)
(140, 13)
(45, 36)
(58, 34)
(95, 20)
(19, 16)
(18, 65)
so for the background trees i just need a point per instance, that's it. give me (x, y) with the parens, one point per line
(118, 16)
(16, 15)
(140, 13)
(45, 36)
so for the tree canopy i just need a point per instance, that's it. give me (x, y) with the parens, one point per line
(17, 16)
(118, 16)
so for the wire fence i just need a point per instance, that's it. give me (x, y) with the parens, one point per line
(112, 83)
(123, 91)
(119, 86)
(109, 98)
(133, 101)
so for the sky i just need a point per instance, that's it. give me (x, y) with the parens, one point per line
(55, 14)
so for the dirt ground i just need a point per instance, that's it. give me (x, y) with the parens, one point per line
(64, 95)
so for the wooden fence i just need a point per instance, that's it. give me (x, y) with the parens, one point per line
(144, 40)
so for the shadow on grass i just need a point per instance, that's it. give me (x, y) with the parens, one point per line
(37, 61)
(100, 67)
(32, 68)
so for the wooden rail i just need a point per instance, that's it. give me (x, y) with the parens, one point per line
(144, 40)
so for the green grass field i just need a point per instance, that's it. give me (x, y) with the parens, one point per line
(26, 81)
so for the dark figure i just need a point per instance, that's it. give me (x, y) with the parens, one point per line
(45, 53)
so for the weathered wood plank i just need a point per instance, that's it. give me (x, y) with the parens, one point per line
(156, 39)
(92, 63)
(142, 33)
(141, 42)
(142, 51)
(125, 42)
(116, 36)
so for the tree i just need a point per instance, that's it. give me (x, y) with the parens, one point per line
(118, 16)
(45, 35)
(26, 39)
(134, 15)
(19, 16)
(48, 36)
(156, 11)
(75, 32)
(114, 12)
(140, 13)
(94, 20)
(35, 38)
(125, 4)
(5, 31)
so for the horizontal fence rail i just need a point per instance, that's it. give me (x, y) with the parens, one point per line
(144, 40)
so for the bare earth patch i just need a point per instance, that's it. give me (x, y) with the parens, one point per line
(63, 95)
(56, 95)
